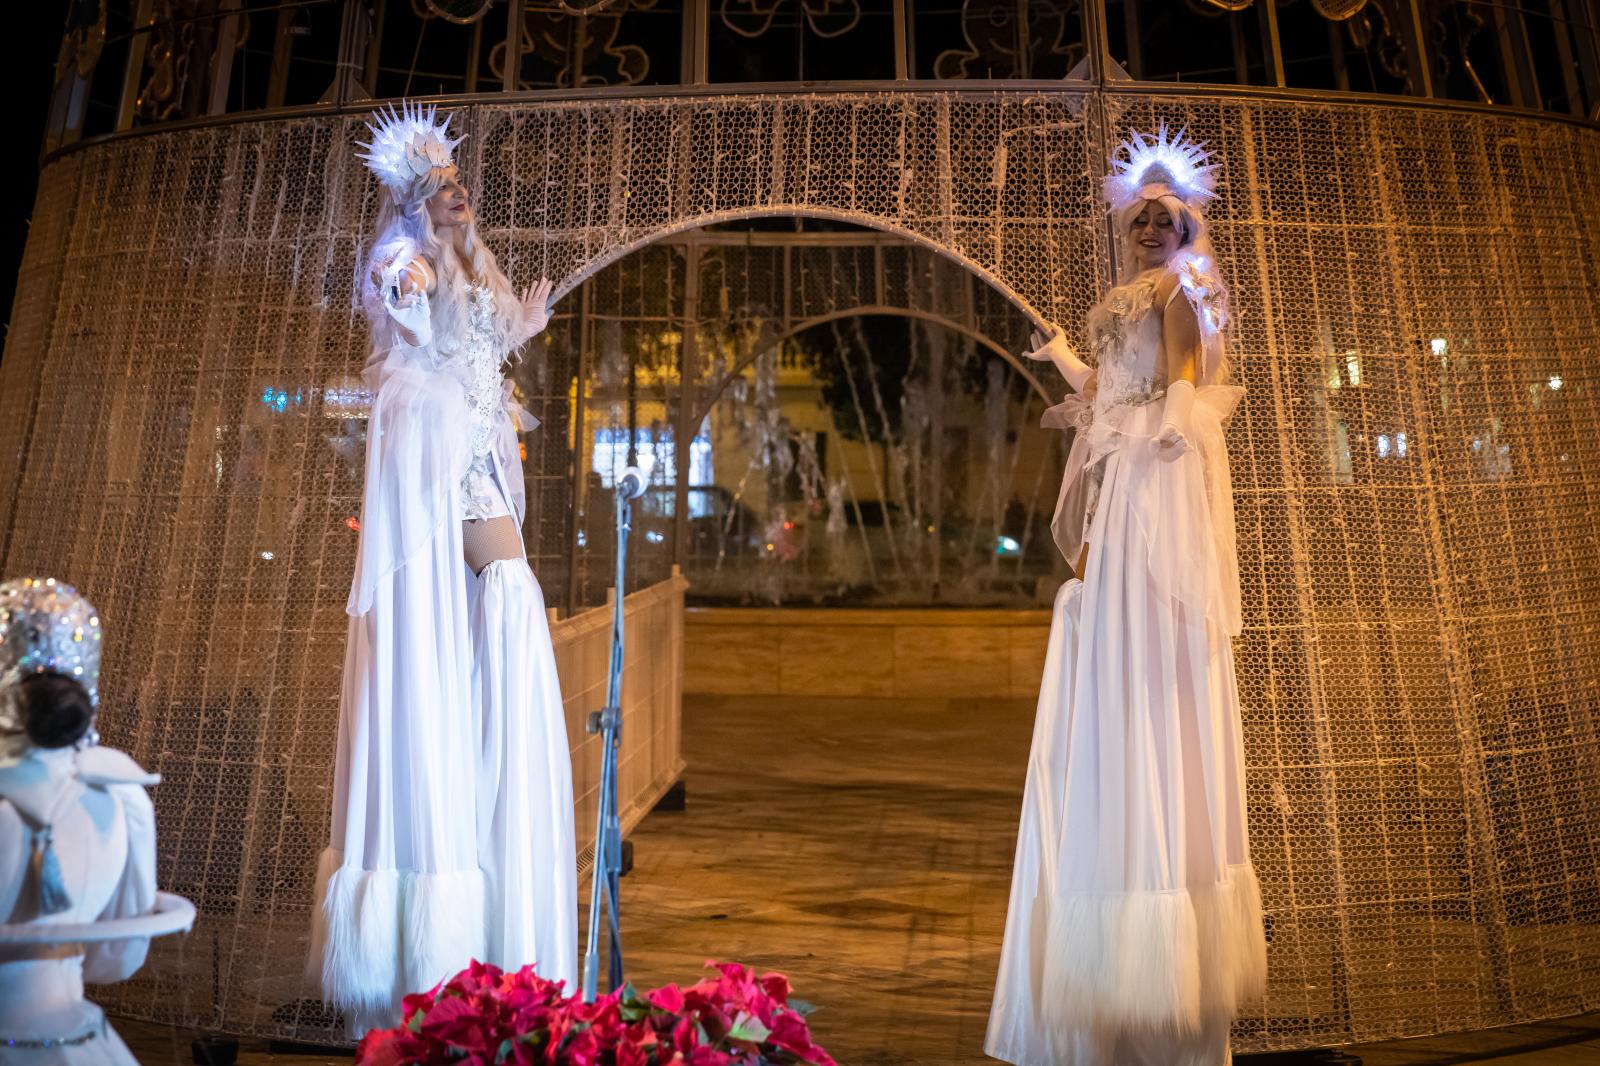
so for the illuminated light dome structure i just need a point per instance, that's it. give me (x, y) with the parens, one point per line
(1414, 282)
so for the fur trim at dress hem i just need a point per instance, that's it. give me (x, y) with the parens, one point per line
(1154, 960)
(378, 935)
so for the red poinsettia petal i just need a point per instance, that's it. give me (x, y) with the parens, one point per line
(776, 985)
(456, 1021)
(629, 1054)
(583, 1050)
(667, 998)
(685, 1037)
(476, 977)
(790, 1032)
(706, 1056)
(381, 1047)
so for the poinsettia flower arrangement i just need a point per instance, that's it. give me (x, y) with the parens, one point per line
(485, 1016)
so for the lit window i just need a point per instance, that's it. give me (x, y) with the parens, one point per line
(657, 457)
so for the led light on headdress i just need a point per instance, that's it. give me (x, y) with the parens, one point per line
(1158, 166)
(45, 625)
(406, 145)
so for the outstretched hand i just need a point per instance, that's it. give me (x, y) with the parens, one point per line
(1055, 349)
(536, 306)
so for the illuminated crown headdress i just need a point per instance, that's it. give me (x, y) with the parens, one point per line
(406, 145)
(1158, 166)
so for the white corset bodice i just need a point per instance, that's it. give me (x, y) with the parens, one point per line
(480, 363)
(1125, 337)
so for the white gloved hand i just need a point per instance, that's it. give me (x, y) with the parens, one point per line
(412, 315)
(1172, 440)
(535, 309)
(410, 311)
(1056, 350)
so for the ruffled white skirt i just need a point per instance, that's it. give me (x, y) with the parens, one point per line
(1135, 927)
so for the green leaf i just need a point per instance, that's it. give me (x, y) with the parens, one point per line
(748, 1027)
(631, 1007)
(801, 1007)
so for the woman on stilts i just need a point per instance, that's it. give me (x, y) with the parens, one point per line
(452, 819)
(1135, 929)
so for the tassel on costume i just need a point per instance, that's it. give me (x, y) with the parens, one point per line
(53, 897)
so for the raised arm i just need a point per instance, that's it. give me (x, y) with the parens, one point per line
(403, 284)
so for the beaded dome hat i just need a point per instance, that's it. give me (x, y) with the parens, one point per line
(46, 625)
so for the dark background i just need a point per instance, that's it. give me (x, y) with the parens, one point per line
(30, 60)
(427, 56)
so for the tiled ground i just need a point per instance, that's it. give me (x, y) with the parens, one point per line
(863, 847)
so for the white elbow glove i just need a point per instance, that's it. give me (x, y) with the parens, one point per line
(1172, 440)
(410, 311)
(1059, 352)
(411, 314)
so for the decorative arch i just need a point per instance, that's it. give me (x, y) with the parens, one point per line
(588, 269)
(708, 396)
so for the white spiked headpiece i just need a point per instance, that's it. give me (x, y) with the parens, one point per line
(1158, 166)
(406, 145)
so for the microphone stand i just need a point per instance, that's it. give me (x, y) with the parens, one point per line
(608, 826)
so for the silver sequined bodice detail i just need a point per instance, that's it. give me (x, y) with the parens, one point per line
(1125, 336)
(481, 361)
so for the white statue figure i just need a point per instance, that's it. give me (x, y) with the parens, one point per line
(78, 892)
(1135, 926)
(452, 816)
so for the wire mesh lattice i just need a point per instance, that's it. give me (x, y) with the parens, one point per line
(772, 500)
(1414, 466)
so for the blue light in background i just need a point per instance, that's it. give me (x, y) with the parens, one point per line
(279, 399)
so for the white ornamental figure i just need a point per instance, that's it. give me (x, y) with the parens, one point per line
(77, 838)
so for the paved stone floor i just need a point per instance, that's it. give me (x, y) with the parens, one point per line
(863, 847)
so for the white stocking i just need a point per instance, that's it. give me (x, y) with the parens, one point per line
(525, 834)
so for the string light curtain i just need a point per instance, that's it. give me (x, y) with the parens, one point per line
(1415, 469)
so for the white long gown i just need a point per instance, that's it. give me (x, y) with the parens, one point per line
(103, 831)
(1134, 928)
(452, 835)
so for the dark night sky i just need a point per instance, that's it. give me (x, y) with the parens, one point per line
(30, 61)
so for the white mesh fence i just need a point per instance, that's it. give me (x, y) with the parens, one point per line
(1414, 465)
